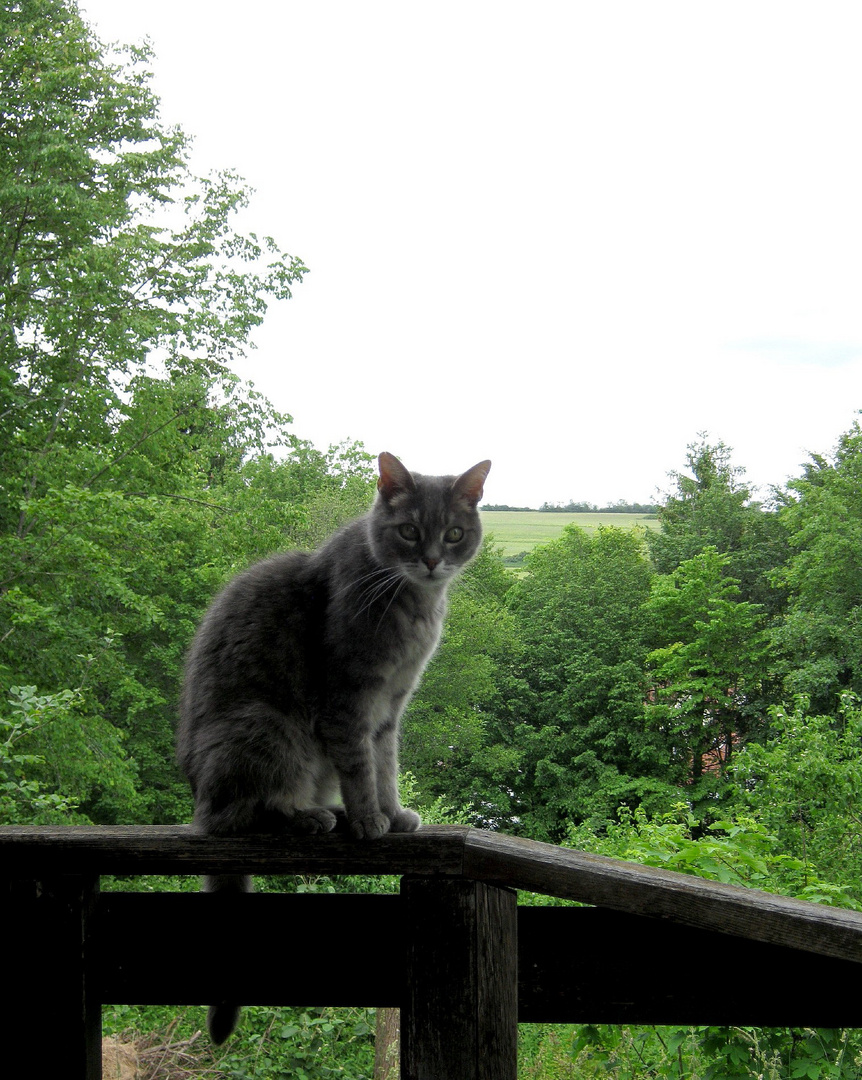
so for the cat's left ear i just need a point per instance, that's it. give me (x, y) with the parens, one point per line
(470, 486)
(393, 476)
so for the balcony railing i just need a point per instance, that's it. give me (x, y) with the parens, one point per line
(453, 949)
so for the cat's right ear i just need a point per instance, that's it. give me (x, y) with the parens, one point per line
(394, 478)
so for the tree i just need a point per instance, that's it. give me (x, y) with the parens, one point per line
(24, 799)
(128, 491)
(574, 700)
(803, 783)
(707, 672)
(712, 506)
(113, 257)
(821, 636)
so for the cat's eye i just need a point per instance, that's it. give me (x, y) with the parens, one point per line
(408, 532)
(453, 535)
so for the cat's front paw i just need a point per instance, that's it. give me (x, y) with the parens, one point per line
(405, 820)
(317, 819)
(371, 827)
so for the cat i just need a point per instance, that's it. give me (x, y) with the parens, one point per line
(297, 678)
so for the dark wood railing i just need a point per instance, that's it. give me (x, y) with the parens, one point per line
(453, 950)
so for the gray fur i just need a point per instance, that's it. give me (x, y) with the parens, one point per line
(297, 678)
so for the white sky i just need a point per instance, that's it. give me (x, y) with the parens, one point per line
(567, 236)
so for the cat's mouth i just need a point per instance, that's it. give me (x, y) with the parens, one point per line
(426, 574)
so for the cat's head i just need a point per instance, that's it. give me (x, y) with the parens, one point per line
(426, 527)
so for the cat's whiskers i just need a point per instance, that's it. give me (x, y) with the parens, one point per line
(377, 590)
(370, 586)
(394, 596)
(356, 582)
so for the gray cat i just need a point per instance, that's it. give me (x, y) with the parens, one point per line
(297, 678)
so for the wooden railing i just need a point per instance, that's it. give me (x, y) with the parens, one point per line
(453, 950)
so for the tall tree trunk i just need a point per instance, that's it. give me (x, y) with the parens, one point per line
(387, 1045)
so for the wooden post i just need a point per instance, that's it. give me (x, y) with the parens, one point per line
(459, 1019)
(51, 1012)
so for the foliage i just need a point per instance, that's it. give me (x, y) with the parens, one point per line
(740, 850)
(571, 507)
(134, 463)
(574, 701)
(805, 784)
(821, 637)
(708, 672)
(310, 1044)
(24, 799)
(716, 1053)
(304, 1043)
(712, 507)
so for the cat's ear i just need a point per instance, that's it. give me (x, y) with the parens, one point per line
(470, 486)
(393, 476)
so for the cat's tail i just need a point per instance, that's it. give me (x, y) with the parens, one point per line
(222, 1020)
(223, 1016)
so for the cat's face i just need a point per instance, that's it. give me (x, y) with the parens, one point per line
(427, 527)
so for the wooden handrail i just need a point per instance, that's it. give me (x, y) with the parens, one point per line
(179, 849)
(442, 850)
(453, 950)
(736, 910)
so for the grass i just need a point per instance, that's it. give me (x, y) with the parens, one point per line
(519, 531)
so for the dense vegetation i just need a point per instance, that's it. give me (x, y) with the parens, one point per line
(687, 696)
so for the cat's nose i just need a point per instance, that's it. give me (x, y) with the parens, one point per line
(431, 563)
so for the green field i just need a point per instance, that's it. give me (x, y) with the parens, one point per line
(517, 531)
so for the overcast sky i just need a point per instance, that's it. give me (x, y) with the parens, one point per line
(567, 236)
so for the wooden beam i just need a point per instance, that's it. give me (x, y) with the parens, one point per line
(459, 1014)
(448, 851)
(595, 966)
(257, 948)
(575, 965)
(50, 1005)
(744, 913)
(29, 850)
(446, 951)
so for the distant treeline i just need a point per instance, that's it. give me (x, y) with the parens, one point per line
(580, 508)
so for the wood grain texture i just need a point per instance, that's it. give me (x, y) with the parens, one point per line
(575, 965)
(449, 851)
(447, 951)
(596, 966)
(459, 1017)
(662, 894)
(50, 1005)
(29, 851)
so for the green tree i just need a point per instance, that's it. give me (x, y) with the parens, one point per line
(821, 636)
(127, 445)
(712, 506)
(114, 259)
(574, 700)
(804, 784)
(24, 799)
(708, 671)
